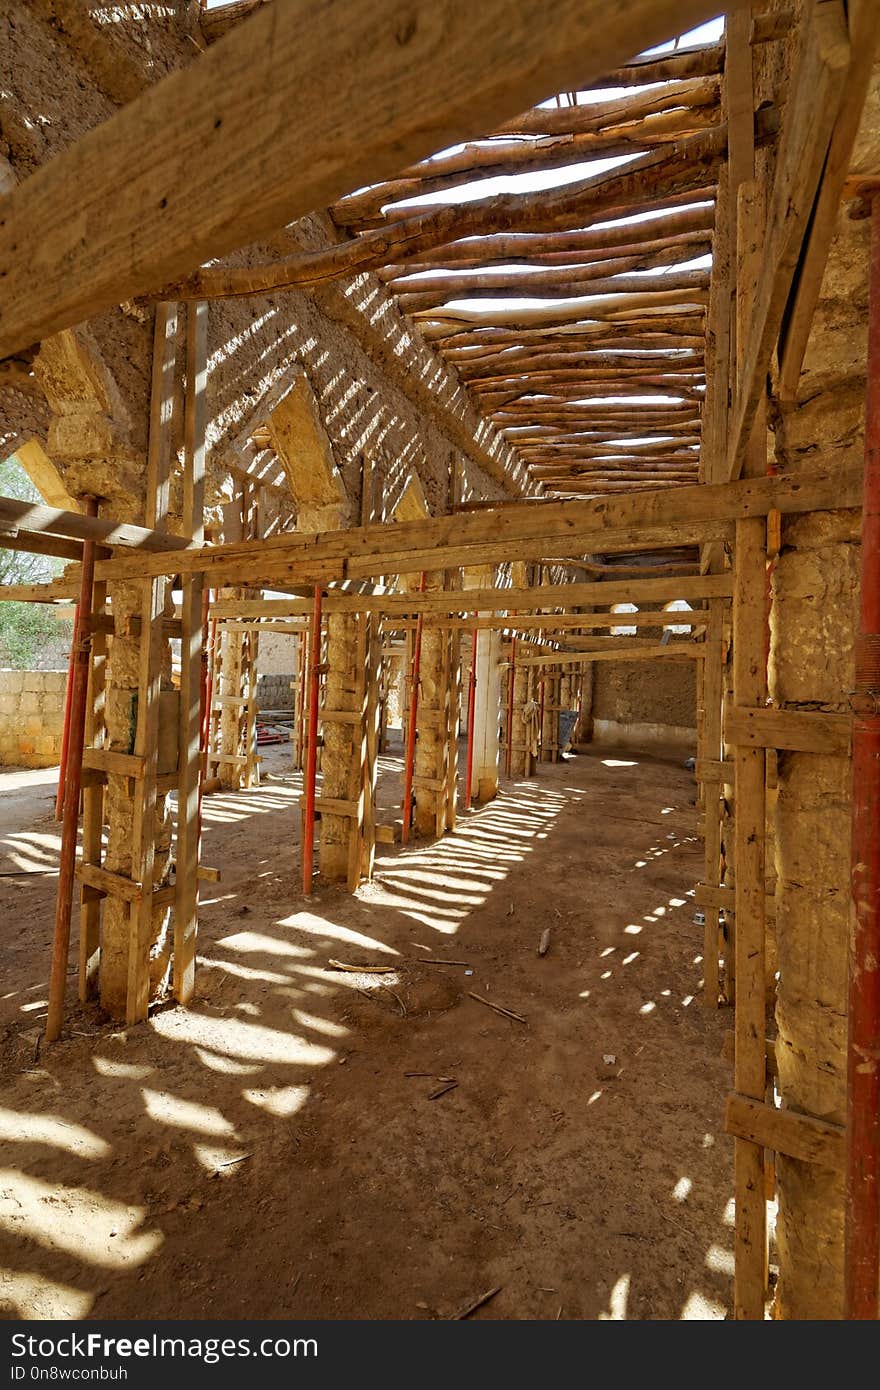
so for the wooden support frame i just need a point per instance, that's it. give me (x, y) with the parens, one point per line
(646, 520)
(93, 800)
(538, 596)
(154, 591)
(750, 1079)
(192, 637)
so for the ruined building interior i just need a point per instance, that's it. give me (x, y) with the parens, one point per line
(444, 880)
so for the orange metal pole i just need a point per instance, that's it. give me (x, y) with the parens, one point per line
(65, 731)
(76, 739)
(301, 722)
(308, 855)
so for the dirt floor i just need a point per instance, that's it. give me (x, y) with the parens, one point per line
(283, 1149)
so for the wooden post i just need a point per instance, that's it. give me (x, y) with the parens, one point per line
(750, 1283)
(710, 752)
(186, 894)
(308, 846)
(67, 865)
(93, 804)
(146, 742)
(371, 741)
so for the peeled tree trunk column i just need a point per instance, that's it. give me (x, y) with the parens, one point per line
(430, 727)
(340, 762)
(863, 1072)
(813, 625)
(487, 703)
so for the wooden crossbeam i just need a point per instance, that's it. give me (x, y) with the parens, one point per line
(28, 519)
(649, 652)
(649, 520)
(660, 590)
(252, 134)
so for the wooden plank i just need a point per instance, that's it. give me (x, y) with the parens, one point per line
(786, 1132)
(255, 135)
(655, 519)
(728, 1052)
(749, 676)
(661, 590)
(29, 518)
(93, 801)
(658, 652)
(800, 731)
(186, 901)
(53, 592)
(109, 761)
(714, 896)
(713, 769)
(117, 885)
(337, 806)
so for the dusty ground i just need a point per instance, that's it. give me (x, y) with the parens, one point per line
(276, 1152)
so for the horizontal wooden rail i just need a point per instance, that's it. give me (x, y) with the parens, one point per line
(799, 731)
(786, 1132)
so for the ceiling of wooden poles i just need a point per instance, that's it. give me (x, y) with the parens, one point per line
(573, 301)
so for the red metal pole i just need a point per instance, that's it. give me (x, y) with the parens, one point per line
(312, 751)
(410, 755)
(862, 1258)
(67, 867)
(65, 731)
(301, 722)
(472, 709)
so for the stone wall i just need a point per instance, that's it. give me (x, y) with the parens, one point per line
(275, 691)
(31, 717)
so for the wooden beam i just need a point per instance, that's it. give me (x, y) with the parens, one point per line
(38, 593)
(247, 137)
(186, 901)
(817, 86)
(653, 520)
(29, 518)
(651, 652)
(544, 596)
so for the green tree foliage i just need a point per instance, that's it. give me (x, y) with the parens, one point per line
(28, 631)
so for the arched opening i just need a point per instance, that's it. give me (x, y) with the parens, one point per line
(625, 629)
(678, 605)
